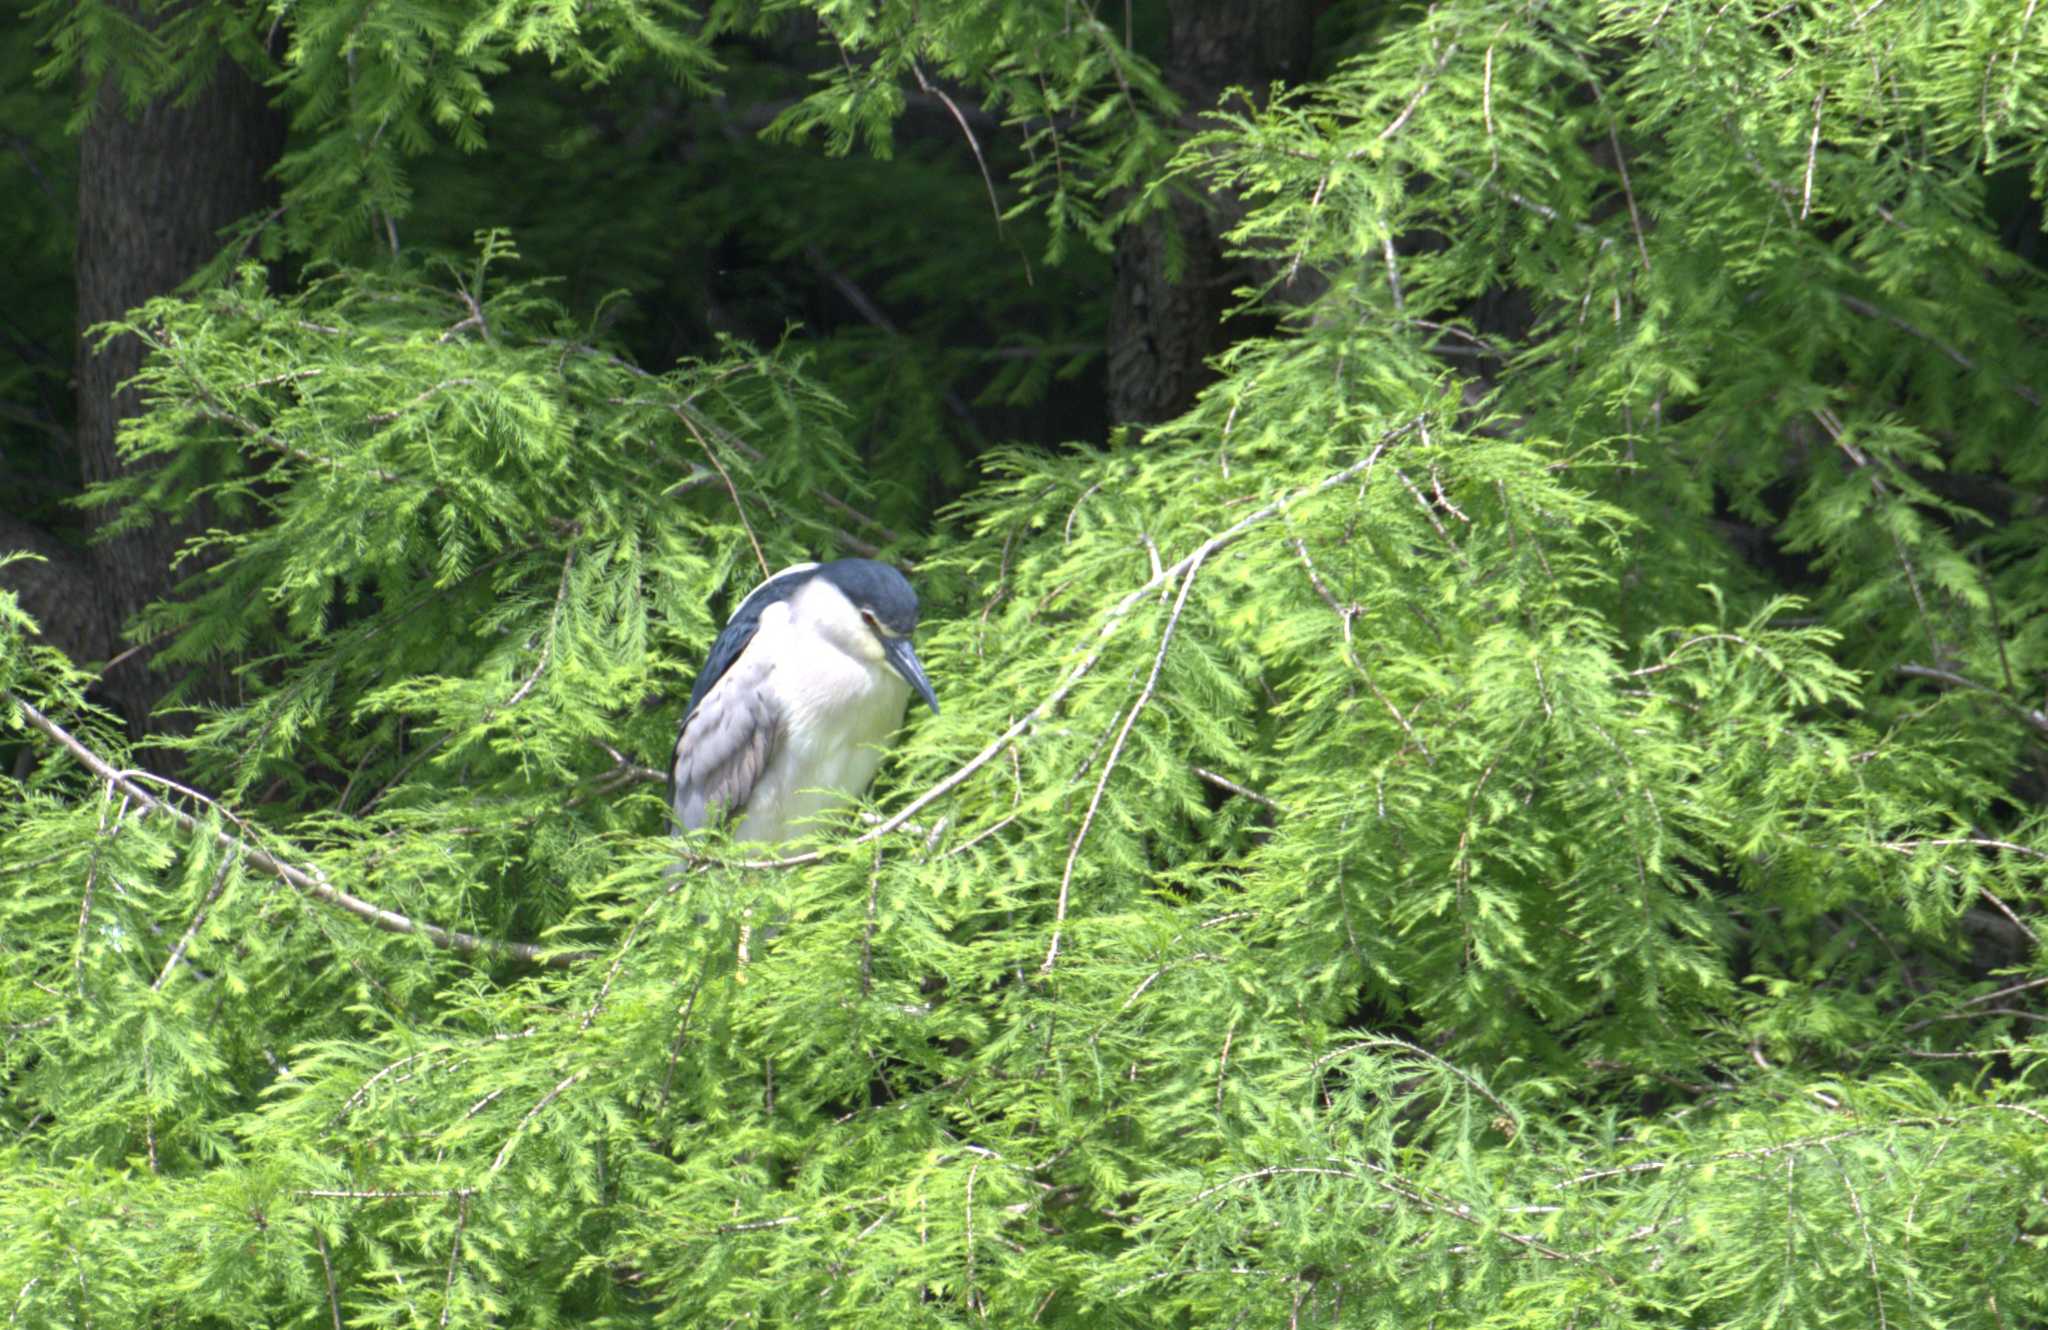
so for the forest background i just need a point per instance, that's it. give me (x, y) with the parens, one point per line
(1486, 565)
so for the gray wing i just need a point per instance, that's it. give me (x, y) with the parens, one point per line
(724, 747)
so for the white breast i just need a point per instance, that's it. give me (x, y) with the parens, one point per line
(836, 710)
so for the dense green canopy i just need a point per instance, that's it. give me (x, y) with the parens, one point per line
(1522, 805)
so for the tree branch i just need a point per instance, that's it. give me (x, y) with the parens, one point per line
(1187, 583)
(1228, 536)
(308, 880)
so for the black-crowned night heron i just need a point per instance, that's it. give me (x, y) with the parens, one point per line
(788, 717)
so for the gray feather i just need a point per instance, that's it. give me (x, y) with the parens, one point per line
(724, 747)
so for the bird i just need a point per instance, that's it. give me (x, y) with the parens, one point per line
(786, 722)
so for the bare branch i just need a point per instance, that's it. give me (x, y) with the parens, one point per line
(974, 145)
(1225, 783)
(1812, 157)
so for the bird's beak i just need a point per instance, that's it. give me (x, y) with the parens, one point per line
(903, 656)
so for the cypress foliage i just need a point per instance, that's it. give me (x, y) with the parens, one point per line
(1522, 808)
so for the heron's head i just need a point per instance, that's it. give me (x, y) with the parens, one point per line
(884, 616)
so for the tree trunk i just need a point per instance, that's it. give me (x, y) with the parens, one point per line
(155, 190)
(1162, 330)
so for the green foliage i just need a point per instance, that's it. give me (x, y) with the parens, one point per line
(1395, 851)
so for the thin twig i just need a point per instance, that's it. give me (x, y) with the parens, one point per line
(2014, 919)
(973, 143)
(326, 1265)
(1345, 614)
(1314, 202)
(738, 508)
(220, 880)
(1670, 662)
(1628, 192)
(454, 1255)
(1180, 601)
(618, 962)
(1016, 803)
(1863, 1223)
(386, 417)
(1393, 271)
(1421, 92)
(367, 1194)
(1223, 1063)
(1429, 512)
(2037, 719)
(363, 1091)
(1379, 1041)
(547, 646)
(1870, 311)
(505, 1150)
(1812, 157)
(675, 1046)
(968, 1282)
(2008, 991)
(92, 869)
(1225, 783)
(867, 937)
(1985, 842)
(1486, 109)
(865, 306)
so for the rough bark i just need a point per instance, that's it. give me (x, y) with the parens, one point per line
(1162, 328)
(57, 589)
(155, 190)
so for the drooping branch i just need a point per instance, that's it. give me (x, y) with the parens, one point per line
(308, 880)
(1165, 576)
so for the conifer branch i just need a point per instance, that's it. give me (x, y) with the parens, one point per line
(505, 1150)
(2037, 719)
(220, 879)
(1111, 622)
(309, 880)
(1556, 916)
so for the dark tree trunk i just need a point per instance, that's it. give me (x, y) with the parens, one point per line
(1163, 330)
(58, 590)
(155, 190)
